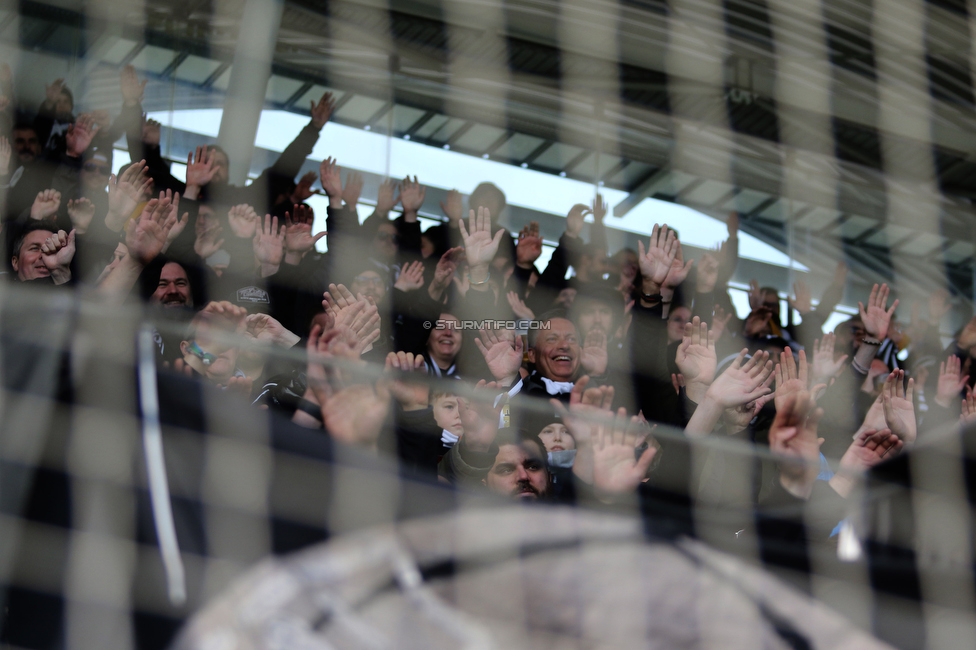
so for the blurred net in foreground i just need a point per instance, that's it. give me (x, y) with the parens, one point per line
(90, 557)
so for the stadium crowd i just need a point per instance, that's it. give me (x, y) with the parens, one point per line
(497, 376)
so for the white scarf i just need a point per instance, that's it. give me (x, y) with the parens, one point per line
(557, 387)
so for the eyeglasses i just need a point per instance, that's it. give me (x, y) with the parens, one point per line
(104, 170)
(368, 279)
(205, 357)
(385, 236)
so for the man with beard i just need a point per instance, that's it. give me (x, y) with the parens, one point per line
(520, 470)
(32, 174)
(173, 291)
(173, 288)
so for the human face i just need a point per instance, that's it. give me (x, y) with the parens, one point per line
(173, 289)
(370, 285)
(676, 323)
(426, 246)
(447, 414)
(221, 168)
(211, 342)
(28, 264)
(385, 242)
(444, 344)
(94, 174)
(26, 145)
(556, 354)
(556, 437)
(593, 314)
(565, 298)
(519, 472)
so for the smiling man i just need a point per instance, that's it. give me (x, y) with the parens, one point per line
(554, 350)
(26, 259)
(173, 289)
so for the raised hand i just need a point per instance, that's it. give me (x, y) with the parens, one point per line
(588, 409)
(967, 337)
(679, 268)
(180, 224)
(518, 306)
(574, 220)
(755, 295)
(899, 410)
(125, 192)
(655, 262)
(352, 414)
(352, 189)
(529, 246)
(411, 277)
(790, 379)
(303, 189)
(479, 245)
(720, 321)
(793, 439)
(208, 239)
(875, 317)
(453, 206)
(132, 90)
(870, 447)
(444, 271)
(479, 417)
(696, 359)
(593, 354)
(411, 198)
(267, 330)
(80, 135)
(599, 208)
(298, 233)
(57, 251)
(616, 467)
(825, 367)
(45, 205)
(968, 414)
(322, 110)
(707, 273)
(386, 197)
(152, 133)
(200, 167)
(243, 221)
(81, 212)
(802, 301)
(742, 383)
(502, 350)
(52, 92)
(269, 245)
(951, 382)
(147, 237)
(358, 315)
(412, 395)
(331, 176)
